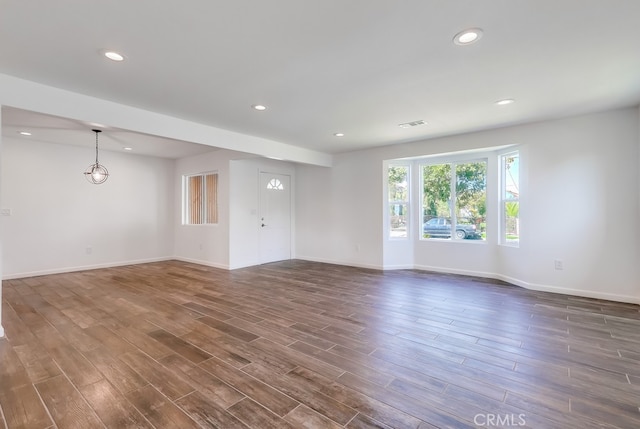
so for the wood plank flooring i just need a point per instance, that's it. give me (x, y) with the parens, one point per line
(299, 344)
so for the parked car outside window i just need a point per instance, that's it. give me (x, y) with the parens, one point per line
(440, 227)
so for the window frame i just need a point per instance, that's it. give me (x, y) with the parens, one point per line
(406, 203)
(503, 200)
(453, 162)
(208, 202)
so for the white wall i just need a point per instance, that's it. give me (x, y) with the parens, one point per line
(204, 244)
(580, 204)
(316, 219)
(233, 242)
(56, 215)
(133, 217)
(340, 211)
(1, 228)
(638, 202)
(583, 176)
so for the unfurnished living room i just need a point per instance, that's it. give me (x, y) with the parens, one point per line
(320, 214)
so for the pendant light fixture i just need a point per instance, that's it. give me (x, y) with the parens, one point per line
(96, 173)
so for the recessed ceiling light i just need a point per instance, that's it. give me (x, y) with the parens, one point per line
(339, 134)
(259, 107)
(505, 101)
(114, 56)
(24, 133)
(468, 36)
(127, 148)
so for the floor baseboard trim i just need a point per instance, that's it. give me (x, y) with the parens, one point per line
(570, 291)
(83, 268)
(199, 262)
(537, 287)
(343, 263)
(496, 276)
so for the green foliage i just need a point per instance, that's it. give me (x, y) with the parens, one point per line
(437, 189)
(398, 178)
(397, 174)
(470, 190)
(471, 182)
(512, 209)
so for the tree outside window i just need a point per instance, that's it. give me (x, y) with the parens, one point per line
(455, 195)
(398, 200)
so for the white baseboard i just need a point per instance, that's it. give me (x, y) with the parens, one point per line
(455, 271)
(199, 262)
(570, 291)
(83, 268)
(398, 267)
(533, 286)
(344, 263)
(496, 276)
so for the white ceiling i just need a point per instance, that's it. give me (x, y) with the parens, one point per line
(54, 129)
(360, 67)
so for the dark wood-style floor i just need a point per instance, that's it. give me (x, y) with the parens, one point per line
(306, 345)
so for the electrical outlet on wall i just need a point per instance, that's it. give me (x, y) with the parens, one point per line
(5, 212)
(558, 264)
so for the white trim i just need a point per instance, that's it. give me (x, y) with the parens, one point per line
(343, 263)
(455, 271)
(386, 217)
(503, 200)
(200, 262)
(532, 286)
(464, 154)
(1, 331)
(512, 280)
(570, 291)
(483, 274)
(84, 268)
(398, 267)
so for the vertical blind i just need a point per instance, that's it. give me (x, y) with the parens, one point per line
(211, 199)
(202, 199)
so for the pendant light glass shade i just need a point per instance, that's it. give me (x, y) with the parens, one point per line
(96, 173)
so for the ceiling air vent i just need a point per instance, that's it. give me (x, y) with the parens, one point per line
(412, 124)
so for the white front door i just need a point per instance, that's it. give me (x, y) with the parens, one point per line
(275, 217)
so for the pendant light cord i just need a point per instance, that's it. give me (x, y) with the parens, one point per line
(97, 131)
